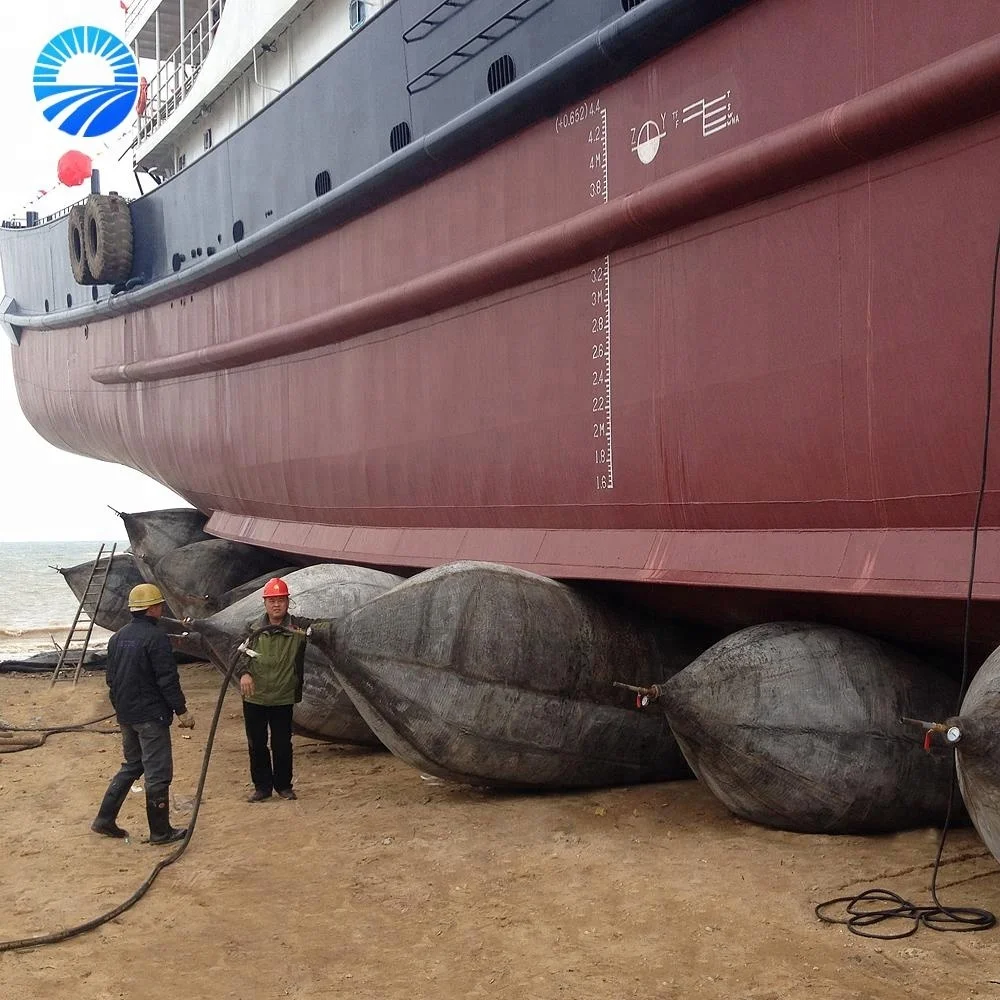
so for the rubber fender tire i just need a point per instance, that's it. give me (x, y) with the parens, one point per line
(108, 237)
(78, 246)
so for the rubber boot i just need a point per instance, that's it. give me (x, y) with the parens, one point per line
(158, 815)
(114, 797)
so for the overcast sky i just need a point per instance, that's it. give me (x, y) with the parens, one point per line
(46, 493)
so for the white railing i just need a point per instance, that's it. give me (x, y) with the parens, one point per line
(31, 219)
(136, 10)
(176, 74)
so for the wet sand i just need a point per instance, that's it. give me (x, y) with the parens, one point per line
(377, 883)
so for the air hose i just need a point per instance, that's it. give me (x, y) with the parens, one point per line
(863, 910)
(64, 935)
(47, 731)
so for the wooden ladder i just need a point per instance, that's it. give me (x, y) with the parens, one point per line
(74, 650)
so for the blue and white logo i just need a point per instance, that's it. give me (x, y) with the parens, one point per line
(86, 81)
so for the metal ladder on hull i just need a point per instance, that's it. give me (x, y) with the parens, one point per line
(74, 650)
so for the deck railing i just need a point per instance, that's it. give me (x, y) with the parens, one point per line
(135, 12)
(176, 74)
(31, 219)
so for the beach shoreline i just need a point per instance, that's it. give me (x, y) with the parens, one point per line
(38, 612)
(16, 644)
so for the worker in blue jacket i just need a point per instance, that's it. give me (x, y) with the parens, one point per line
(145, 692)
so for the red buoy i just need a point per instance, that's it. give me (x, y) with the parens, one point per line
(74, 167)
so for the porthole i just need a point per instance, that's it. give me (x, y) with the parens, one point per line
(178, 259)
(69, 301)
(323, 183)
(93, 292)
(46, 305)
(501, 72)
(237, 230)
(629, 4)
(399, 136)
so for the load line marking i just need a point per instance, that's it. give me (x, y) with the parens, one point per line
(607, 307)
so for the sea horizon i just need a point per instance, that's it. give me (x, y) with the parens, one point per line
(37, 606)
(59, 541)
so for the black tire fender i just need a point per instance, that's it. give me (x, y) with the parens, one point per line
(77, 244)
(108, 238)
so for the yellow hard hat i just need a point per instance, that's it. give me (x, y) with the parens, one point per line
(145, 595)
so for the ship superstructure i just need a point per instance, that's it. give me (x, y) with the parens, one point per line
(207, 74)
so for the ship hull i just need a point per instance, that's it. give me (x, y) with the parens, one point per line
(701, 331)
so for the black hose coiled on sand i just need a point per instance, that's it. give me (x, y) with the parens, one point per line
(867, 910)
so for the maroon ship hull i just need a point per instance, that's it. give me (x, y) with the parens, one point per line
(721, 328)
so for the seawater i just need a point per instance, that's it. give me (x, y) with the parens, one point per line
(36, 604)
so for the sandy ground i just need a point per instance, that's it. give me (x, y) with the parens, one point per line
(377, 883)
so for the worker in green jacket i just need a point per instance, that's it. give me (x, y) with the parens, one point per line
(271, 670)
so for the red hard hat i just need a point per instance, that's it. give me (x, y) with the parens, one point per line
(275, 587)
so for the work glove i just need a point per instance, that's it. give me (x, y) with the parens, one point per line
(186, 721)
(322, 627)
